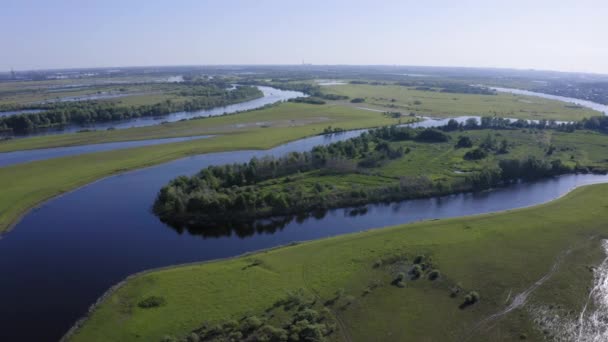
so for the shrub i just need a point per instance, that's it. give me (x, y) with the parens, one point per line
(151, 302)
(400, 276)
(416, 271)
(307, 314)
(193, 338)
(251, 323)
(432, 135)
(464, 142)
(471, 298)
(434, 274)
(357, 100)
(476, 154)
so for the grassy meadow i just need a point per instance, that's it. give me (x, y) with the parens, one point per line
(479, 253)
(437, 104)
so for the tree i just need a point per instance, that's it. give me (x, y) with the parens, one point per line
(464, 142)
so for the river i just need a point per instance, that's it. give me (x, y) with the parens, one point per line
(584, 103)
(63, 255)
(66, 253)
(26, 156)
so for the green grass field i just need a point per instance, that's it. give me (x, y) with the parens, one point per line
(27, 185)
(497, 255)
(428, 103)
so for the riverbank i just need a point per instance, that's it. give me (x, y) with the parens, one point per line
(27, 185)
(480, 253)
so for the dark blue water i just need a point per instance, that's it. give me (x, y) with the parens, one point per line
(62, 256)
(18, 157)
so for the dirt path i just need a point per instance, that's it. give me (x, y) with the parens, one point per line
(519, 300)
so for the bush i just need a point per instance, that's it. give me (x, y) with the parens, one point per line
(464, 142)
(432, 135)
(251, 323)
(193, 338)
(151, 302)
(471, 298)
(434, 274)
(416, 271)
(357, 100)
(476, 154)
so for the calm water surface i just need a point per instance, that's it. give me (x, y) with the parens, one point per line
(62, 256)
(18, 157)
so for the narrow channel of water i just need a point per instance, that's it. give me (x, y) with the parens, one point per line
(26, 156)
(62, 256)
(584, 103)
(24, 111)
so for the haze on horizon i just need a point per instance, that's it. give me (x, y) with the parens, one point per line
(549, 35)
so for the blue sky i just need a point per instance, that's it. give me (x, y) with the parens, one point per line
(565, 35)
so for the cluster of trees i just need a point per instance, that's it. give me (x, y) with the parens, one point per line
(510, 170)
(87, 112)
(595, 123)
(333, 97)
(488, 145)
(302, 323)
(309, 100)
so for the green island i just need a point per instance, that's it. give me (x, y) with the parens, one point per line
(384, 165)
(392, 283)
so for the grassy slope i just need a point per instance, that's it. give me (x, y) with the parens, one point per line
(284, 115)
(26, 185)
(495, 254)
(449, 104)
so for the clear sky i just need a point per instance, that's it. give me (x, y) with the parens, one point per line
(567, 35)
